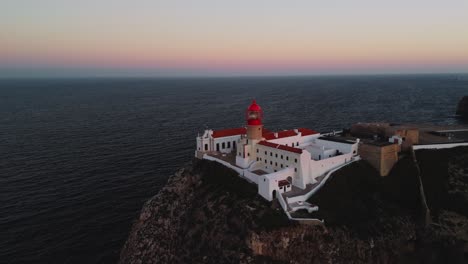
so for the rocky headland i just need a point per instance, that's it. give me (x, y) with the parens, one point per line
(207, 214)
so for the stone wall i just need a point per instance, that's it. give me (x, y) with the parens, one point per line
(382, 158)
(410, 135)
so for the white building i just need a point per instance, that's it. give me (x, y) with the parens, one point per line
(278, 162)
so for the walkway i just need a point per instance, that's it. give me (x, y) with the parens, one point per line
(296, 199)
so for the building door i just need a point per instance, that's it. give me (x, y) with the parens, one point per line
(217, 146)
(206, 147)
(274, 194)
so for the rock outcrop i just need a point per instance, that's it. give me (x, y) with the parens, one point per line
(207, 214)
(462, 108)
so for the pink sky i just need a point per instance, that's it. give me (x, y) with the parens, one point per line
(236, 38)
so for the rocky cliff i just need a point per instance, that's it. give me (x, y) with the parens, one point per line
(462, 108)
(207, 214)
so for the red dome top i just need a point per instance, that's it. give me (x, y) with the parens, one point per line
(254, 107)
(254, 114)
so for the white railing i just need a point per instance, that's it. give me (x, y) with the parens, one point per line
(225, 163)
(301, 220)
(440, 146)
(306, 196)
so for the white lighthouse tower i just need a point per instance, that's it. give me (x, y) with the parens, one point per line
(246, 146)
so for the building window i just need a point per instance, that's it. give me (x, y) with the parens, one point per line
(287, 158)
(265, 153)
(276, 155)
(281, 165)
(271, 162)
(295, 160)
(223, 145)
(234, 144)
(206, 146)
(248, 154)
(275, 170)
(239, 153)
(276, 163)
(229, 144)
(295, 169)
(281, 156)
(297, 143)
(266, 161)
(257, 150)
(271, 154)
(257, 159)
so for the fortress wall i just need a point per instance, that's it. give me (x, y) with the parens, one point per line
(382, 158)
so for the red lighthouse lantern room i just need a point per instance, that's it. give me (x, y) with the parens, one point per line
(254, 114)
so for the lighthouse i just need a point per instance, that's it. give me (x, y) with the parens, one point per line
(254, 115)
(246, 151)
(276, 161)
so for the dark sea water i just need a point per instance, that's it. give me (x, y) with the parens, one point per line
(78, 158)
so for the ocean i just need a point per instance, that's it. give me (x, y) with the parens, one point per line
(79, 157)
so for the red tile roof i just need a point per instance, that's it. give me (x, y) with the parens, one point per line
(282, 147)
(283, 183)
(290, 149)
(286, 133)
(306, 131)
(269, 136)
(229, 132)
(268, 144)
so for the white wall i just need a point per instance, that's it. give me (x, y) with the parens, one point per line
(305, 140)
(288, 159)
(269, 182)
(319, 167)
(439, 146)
(318, 153)
(251, 176)
(290, 141)
(342, 147)
(208, 140)
(228, 143)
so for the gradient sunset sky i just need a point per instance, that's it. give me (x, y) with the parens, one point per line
(218, 38)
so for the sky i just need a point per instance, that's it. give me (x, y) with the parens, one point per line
(229, 38)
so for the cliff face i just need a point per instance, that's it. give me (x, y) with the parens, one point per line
(462, 108)
(207, 214)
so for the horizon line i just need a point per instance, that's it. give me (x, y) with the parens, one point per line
(227, 76)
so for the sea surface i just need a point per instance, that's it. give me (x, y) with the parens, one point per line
(79, 157)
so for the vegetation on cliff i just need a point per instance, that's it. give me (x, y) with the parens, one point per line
(207, 214)
(357, 197)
